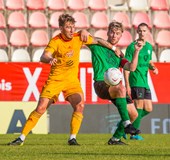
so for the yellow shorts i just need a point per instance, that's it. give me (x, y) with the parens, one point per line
(52, 89)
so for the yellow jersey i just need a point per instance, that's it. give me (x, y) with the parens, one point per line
(67, 54)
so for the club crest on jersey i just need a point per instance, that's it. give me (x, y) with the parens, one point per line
(70, 54)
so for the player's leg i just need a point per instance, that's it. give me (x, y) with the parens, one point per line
(32, 120)
(118, 95)
(116, 138)
(147, 103)
(77, 102)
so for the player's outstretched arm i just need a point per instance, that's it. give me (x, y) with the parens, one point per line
(46, 57)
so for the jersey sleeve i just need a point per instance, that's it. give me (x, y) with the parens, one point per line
(89, 40)
(51, 47)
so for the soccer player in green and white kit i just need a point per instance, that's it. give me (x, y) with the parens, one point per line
(103, 59)
(137, 82)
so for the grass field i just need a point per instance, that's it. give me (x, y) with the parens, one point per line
(93, 146)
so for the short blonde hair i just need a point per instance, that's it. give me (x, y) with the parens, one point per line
(116, 25)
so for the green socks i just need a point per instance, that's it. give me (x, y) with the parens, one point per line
(136, 123)
(121, 105)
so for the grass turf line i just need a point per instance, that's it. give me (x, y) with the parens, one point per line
(93, 146)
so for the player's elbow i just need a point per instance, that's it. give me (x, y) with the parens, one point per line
(132, 68)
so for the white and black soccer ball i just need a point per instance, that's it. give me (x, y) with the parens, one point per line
(113, 76)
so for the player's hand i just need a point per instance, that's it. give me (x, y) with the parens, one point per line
(84, 34)
(53, 61)
(139, 44)
(128, 90)
(119, 53)
(155, 71)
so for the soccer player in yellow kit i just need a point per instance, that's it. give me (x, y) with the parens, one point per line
(62, 53)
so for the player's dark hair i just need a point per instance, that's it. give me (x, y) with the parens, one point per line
(65, 18)
(142, 24)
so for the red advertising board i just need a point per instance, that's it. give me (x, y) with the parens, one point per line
(24, 81)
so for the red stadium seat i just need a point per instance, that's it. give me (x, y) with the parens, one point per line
(123, 18)
(2, 21)
(163, 38)
(19, 38)
(101, 34)
(97, 5)
(36, 4)
(17, 20)
(56, 33)
(76, 5)
(54, 19)
(159, 5)
(125, 40)
(99, 20)
(141, 17)
(56, 5)
(38, 20)
(161, 20)
(81, 20)
(15, 4)
(39, 38)
(2, 6)
(3, 39)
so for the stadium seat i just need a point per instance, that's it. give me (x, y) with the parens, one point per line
(36, 5)
(101, 34)
(53, 22)
(97, 5)
(99, 20)
(38, 19)
(3, 56)
(85, 55)
(3, 39)
(56, 5)
(2, 21)
(2, 6)
(37, 54)
(123, 18)
(165, 56)
(161, 20)
(154, 57)
(141, 17)
(159, 5)
(55, 33)
(138, 5)
(20, 55)
(81, 20)
(76, 5)
(17, 19)
(39, 38)
(19, 38)
(15, 4)
(163, 38)
(125, 40)
(119, 7)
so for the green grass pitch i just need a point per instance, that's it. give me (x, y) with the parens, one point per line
(93, 147)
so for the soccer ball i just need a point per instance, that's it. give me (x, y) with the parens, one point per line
(113, 76)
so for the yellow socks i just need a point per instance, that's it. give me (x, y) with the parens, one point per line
(77, 118)
(31, 122)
